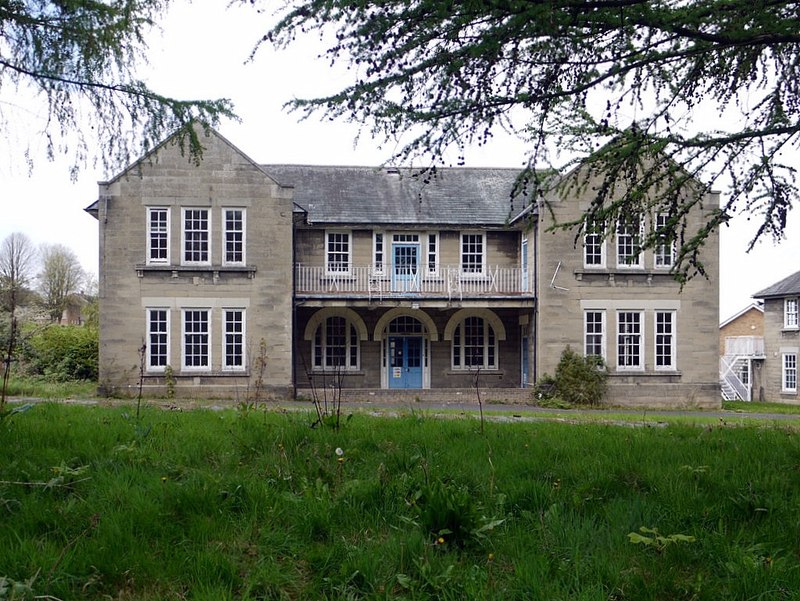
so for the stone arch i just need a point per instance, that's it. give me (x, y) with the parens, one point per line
(427, 321)
(323, 314)
(487, 314)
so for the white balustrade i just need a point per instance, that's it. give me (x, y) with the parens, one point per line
(449, 281)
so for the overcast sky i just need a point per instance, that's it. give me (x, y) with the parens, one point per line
(201, 53)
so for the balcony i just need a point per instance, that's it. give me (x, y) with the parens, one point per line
(450, 283)
(744, 346)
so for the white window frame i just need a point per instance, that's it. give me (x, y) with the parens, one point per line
(637, 339)
(347, 265)
(601, 333)
(790, 313)
(672, 335)
(320, 357)
(592, 232)
(623, 234)
(789, 372)
(432, 239)
(462, 253)
(664, 255)
(458, 347)
(378, 252)
(207, 260)
(225, 337)
(208, 344)
(150, 232)
(149, 322)
(226, 232)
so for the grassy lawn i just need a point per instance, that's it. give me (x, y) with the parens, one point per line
(753, 407)
(249, 505)
(43, 388)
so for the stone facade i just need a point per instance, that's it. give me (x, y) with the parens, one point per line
(780, 342)
(239, 279)
(131, 284)
(625, 300)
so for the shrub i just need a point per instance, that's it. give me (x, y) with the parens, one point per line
(62, 353)
(578, 381)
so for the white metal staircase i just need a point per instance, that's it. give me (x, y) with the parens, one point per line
(740, 351)
(731, 385)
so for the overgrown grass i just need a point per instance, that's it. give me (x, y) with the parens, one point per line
(753, 407)
(46, 388)
(252, 505)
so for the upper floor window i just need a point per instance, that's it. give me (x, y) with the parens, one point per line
(629, 242)
(196, 226)
(474, 345)
(233, 236)
(337, 252)
(233, 336)
(665, 340)
(378, 256)
(433, 254)
(157, 235)
(594, 246)
(196, 339)
(336, 344)
(629, 340)
(790, 313)
(473, 253)
(595, 334)
(157, 339)
(664, 253)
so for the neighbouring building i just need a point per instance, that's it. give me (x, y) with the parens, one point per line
(233, 276)
(781, 339)
(741, 353)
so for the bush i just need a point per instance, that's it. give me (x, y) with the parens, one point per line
(62, 353)
(578, 381)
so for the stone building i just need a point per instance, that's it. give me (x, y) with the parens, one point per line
(781, 339)
(235, 277)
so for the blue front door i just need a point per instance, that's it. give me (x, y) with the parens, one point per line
(405, 362)
(405, 267)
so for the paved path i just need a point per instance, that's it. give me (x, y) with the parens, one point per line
(507, 412)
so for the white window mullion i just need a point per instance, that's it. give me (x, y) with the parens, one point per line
(789, 372)
(664, 340)
(158, 224)
(157, 339)
(233, 340)
(196, 339)
(234, 228)
(790, 313)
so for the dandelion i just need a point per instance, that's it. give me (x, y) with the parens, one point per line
(163, 478)
(340, 459)
(339, 452)
(491, 557)
(440, 540)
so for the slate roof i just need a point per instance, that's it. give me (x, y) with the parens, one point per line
(789, 286)
(388, 196)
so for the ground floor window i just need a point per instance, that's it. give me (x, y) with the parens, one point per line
(789, 379)
(629, 340)
(595, 333)
(665, 339)
(196, 339)
(157, 339)
(233, 324)
(336, 344)
(474, 345)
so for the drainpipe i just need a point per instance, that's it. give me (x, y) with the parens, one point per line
(535, 320)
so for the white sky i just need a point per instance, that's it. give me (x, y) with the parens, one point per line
(201, 53)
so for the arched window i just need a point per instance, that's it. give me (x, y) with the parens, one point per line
(474, 345)
(336, 344)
